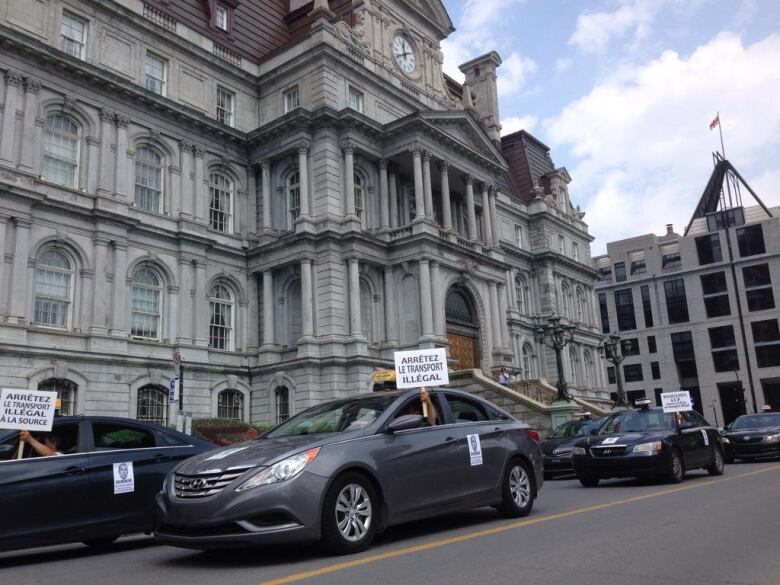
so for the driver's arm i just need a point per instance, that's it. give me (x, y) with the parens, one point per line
(431, 412)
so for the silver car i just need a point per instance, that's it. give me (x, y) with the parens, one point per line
(341, 471)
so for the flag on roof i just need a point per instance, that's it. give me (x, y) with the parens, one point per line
(715, 122)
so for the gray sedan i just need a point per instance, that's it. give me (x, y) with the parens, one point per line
(341, 471)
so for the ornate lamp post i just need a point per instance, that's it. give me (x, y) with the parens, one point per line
(557, 336)
(609, 349)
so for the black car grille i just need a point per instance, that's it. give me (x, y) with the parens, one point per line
(203, 485)
(608, 451)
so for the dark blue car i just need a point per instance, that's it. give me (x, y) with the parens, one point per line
(70, 497)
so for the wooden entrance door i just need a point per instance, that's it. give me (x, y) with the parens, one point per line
(463, 350)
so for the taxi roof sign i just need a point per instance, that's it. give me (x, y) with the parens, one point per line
(382, 376)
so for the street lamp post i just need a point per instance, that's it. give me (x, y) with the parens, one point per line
(610, 350)
(557, 336)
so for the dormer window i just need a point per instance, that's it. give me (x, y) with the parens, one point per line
(221, 18)
(221, 14)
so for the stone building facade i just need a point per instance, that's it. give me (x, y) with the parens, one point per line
(283, 193)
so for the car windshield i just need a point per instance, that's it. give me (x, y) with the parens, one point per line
(756, 421)
(638, 421)
(578, 428)
(334, 417)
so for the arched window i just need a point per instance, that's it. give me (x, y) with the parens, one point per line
(457, 308)
(230, 405)
(367, 311)
(53, 289)
(220, 203)
(66, 394)
(293, 199)
(282, 397)
(294, 313)
(520, 299)
(360, 200)
(61, 151)
(528, 362)
(145, 305)
(152, 404)
(148, 179)
(589, 370)
(221, 318)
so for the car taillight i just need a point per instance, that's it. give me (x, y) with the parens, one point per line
(533, 435)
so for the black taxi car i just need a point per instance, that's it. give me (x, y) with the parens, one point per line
(556, 449)
(646, 442)
(753, 436)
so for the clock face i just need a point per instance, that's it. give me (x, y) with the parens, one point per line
(404, 54)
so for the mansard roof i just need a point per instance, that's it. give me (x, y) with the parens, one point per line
(529, 160)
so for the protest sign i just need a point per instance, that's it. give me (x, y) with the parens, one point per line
(124, 478)
(421, 367)
(475, 449)
(676, 401)
(27, 410)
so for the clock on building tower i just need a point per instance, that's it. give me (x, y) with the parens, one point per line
(403, 53)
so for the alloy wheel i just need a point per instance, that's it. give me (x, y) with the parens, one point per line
(519, 486)
(353, 512)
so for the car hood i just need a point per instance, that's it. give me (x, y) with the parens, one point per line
(626, 438)
(257, 452)
(762, 431)
(549, 446)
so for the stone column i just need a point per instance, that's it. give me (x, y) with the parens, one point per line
(427, 189)
(3, 289)
(303, 173)
(185, 150)
(393, 180)
(20, 295)
(184, 336)
(446, 211)
(472, 212)
(494, 312)
(242, 329)
(268, 308)
(199, 199)
(120, 307)
(391, 321)
(510, 289)
(493, 216)
(307, 298)
(384, 203)
(419, 194)
(201, 305)
(120, 176)
(426, 307)
(105, 173)
(251, 194)
(91, 169)
(100, 299)
(253, 325)
(12, 81)
(355, 324)
(438, 297)
(174, 315)
(488, 235)
(349, 180)
(29, 145)
(502, 317)
(265, 185)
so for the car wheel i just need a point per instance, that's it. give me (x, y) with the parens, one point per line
(588, 480)
(99, 543)
(349, 515)
(676, 471)
(517, 492)
(716, 467)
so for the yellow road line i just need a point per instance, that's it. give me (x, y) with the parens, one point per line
(498, 529)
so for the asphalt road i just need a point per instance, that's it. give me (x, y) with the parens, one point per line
(704, 531)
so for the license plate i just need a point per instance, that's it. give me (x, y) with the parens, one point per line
(555, 460)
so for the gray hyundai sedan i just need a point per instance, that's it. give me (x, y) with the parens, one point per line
(341, 471)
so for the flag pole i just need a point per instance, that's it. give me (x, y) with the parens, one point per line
(720, 130)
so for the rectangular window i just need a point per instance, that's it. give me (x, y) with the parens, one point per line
(634, 395)
(291, 100)
(73, 35)
(670, 255)
(676, 301)
(620, 271)
(225, 106)
(708, 248)
(682, 346)
(757, 275)
(646, 306)
(518, 236)
(658, 392)
(629, 347)
(766, 334)
(221, 18)
(575, 251)
(717, 306)
(758, 288)
(637, 260)
(768, 356)
(156, 73)
(760, 299)
(356, 100)
(750, 240)
(764, 331)
(611, 375)
(624, 307)
(651, 346)
(715, 303)
(725, 360)
(655, 370)
(633, 373)
(722, 337)
(562, 245)
(713, 283)
(604, 312)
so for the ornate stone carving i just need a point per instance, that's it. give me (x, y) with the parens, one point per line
(107, 115)
(13, 78)
(32, 85)
(357, 33)
(121, 120)
(198, 151)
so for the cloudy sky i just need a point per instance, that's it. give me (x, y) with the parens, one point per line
(623, 91)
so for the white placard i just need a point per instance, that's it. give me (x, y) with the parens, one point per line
(27, 410)
(676, 401)
(421, 367)
(475, 449)
(124, 480)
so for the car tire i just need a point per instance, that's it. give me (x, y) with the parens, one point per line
(676, 471)
(100, 543)
(716, 467)
(588, 481)
(517, 490)
(349, 515)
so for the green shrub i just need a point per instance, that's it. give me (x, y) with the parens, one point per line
(222, 431)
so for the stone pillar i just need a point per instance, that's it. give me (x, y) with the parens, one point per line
(12, 81)
(253, 325)
(101, 298)
(251, 194)
(493, 216)
(488, 235)
(199, 199)
(91, 169)
(184, 336)
(307, 298)
(268, 308)
(494, 312)
(120, 176)
(29, 145)
(391, 320)
(201, 305)
(446, 211)
(185, 150)
(106, 170)
(472, 212)
(20, 295)
(303, 173)
(384, 203)
(502, 315)
(427, 189)
(3, 289)
(419, 194)
(426, 308)
(393, 180)
(349, 180)
(437, 301)
(120, 307)
(174, 316)
(355, 324)
(510, 289)
(265, 185)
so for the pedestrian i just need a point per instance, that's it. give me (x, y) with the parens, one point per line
(503, 377)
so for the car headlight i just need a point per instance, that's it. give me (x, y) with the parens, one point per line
(578, 451)
(726, 441)
(281, 471)
(773, 438)
(649, 448)
(562, 452)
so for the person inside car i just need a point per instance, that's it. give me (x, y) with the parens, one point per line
(422, 407)
(48, 447)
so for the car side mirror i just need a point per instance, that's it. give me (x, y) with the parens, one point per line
(7, 452)
(405, 422)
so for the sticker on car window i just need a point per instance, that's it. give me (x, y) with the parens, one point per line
(475, 449)
(706, 437)
(124, 480)
(610, 440)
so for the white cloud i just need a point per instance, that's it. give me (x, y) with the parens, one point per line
(642, 141)
(563, 65)
(481, 13)
(595, 30)
(515, 123)
(513, 74)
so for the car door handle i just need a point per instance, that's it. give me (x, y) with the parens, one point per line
(74, 469)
